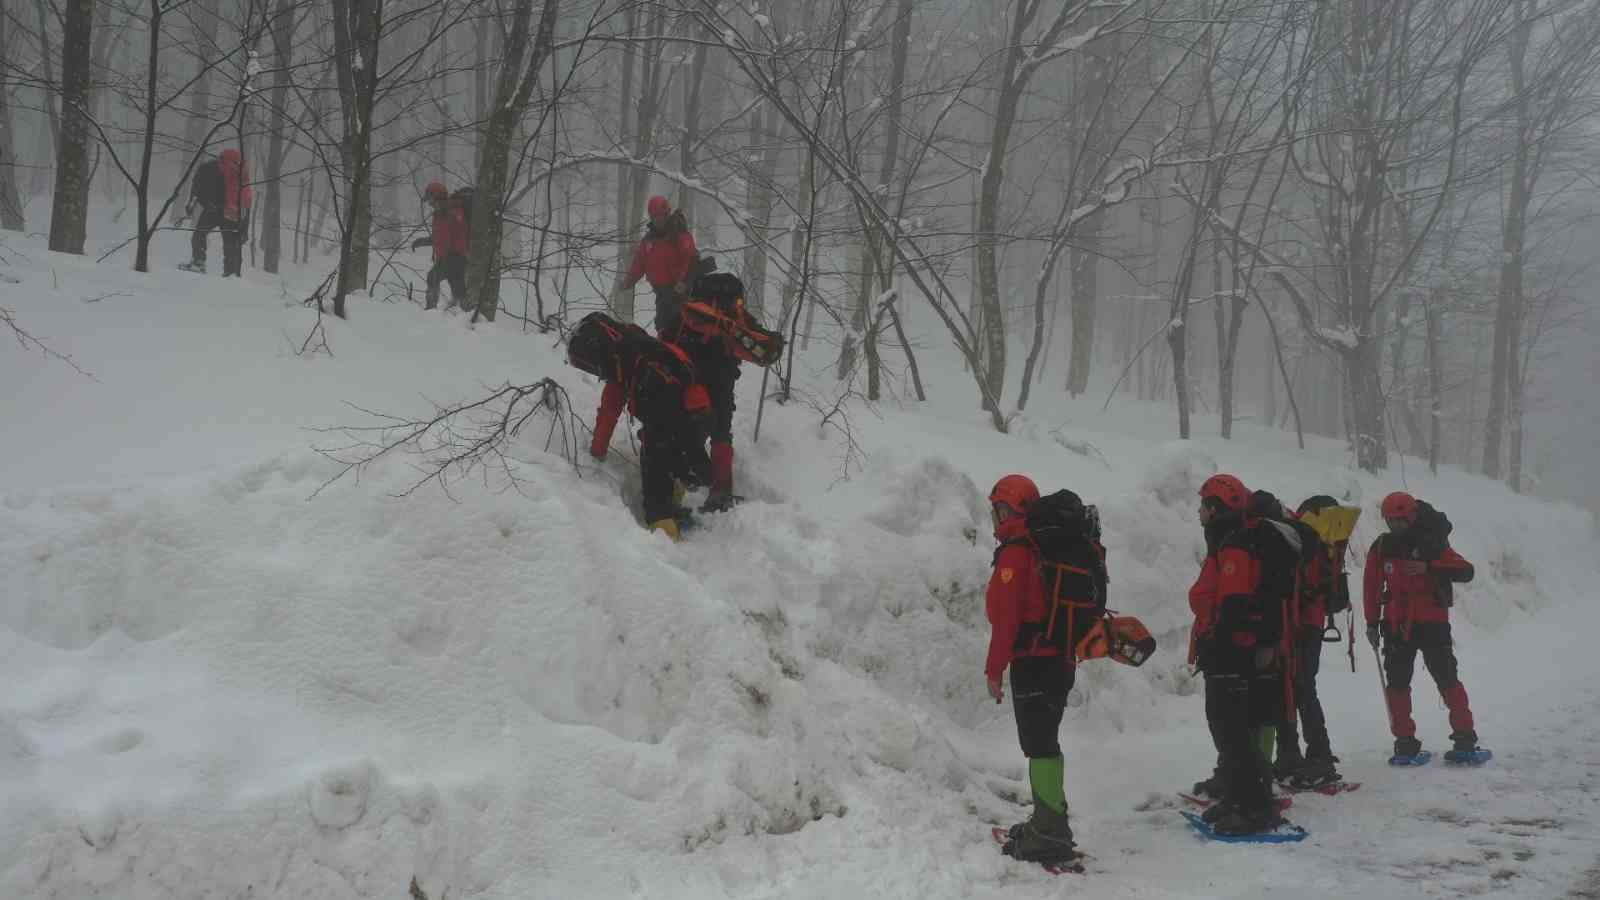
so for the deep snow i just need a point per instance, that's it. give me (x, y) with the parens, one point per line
(218, 684)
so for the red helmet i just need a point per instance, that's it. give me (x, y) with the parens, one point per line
(1227, 490)
(1015, 491)
(435, 189)
(1400, 505)
(659, 206)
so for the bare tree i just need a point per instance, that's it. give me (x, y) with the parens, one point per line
(526, 51)
(10, 200)
(69, 214)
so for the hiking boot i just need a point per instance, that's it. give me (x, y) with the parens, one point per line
(1241, 821)
(1464, 741)
(193, 266)
(1315, 773)
(1407, 746)
(1045, 838)
(1210, 789)
(1217, 810)
(1284, 767)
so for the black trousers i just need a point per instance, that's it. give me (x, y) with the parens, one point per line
(232, 240)
(453, 269)
(1039, 688)
(671, 448)
(1308, 706)
(718, 370)
(1433, 641)
(1237, 706)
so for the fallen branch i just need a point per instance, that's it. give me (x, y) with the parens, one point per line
(458, 440)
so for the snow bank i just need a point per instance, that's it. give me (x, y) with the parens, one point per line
(220, 684)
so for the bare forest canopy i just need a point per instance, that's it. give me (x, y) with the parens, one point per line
(1369, 219)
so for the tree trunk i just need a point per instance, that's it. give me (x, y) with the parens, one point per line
(270, 229)
(10, 201)
(512, 95)
(69, 212)
(141, 256)
(357, 26)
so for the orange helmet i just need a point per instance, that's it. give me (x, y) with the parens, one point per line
(660, 206)
(1015, 491)
(1400, 505)
(1227, 490)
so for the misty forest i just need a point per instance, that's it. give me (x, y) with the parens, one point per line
(1369, 220)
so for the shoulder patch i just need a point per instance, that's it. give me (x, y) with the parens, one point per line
(1006, 575)
(1228, 567)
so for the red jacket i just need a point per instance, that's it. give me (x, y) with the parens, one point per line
(1203, 603)
(449, 233)
(237, 196)
(1245, 584)
(663, 259)
(1404, 589)
(1015, 595)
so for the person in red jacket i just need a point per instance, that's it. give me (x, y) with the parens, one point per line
(448, 239)
(1407, 594)
(1042, 663)
(1239, 602)
(655, 381)
(663, 257)
(1322, 580)
(220, 197)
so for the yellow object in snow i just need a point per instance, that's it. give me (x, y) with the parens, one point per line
(669, 527)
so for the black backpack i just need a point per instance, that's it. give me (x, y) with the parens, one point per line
(608, 348)
(1072, 567)
(463, 198)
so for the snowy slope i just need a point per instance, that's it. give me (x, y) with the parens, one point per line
(221, 685)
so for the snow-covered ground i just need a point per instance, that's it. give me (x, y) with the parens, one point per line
(221, 682)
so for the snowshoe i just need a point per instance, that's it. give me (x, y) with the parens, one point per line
(199, 268)
(1240, 822)
(1283, 833)
(1073, 865)
(1420, 758)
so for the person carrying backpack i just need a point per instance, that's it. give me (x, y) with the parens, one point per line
(1047, 591)
(1407, 592)
(663, 257)
(1240, 602)
(448, 238)
(712, 324)
(1324, 591)
(220, 198)
(655, 382)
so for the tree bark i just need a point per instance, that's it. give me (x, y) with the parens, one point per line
(519, 75)
(10, 200)
(270, 229)
(357, 26)
(69, 212)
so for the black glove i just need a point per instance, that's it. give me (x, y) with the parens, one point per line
(419, 243)
(1374, 635)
